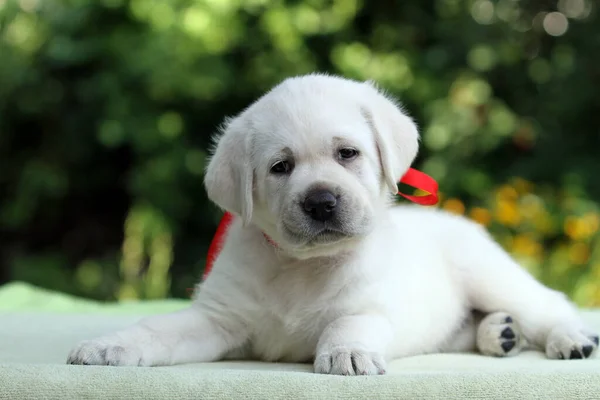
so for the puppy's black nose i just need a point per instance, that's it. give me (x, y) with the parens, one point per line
(320, 205)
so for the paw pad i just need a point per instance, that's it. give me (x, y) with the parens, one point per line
(587, 350)
(507, 333)
(498, 335)
(508, 345)
(575, 355)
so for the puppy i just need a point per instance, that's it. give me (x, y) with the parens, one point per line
(320, 265)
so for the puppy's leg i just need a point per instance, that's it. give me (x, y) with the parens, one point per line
(464, 339)
(354, 345)
(495, 282)
(494, 334)
(180, 337)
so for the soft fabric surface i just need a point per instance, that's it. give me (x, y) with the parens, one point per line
(38, 328)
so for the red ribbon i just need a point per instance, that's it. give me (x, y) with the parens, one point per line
(421, 181)
(217, 242)
(414, 178)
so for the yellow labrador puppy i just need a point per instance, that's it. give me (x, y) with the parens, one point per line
(348, 280)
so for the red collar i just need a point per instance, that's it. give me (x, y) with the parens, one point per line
(269, 240)
(414, 178)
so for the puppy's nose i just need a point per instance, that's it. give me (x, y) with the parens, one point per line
(320, 205)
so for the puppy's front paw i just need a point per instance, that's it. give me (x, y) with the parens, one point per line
(569, 344)
(349, 360)
(106, 351)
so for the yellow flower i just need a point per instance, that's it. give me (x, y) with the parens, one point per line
(522, 186)
(526, 245)
(581, 228)
(572, 228)
(481, 215)
(579, 253)
(454, 206)
(507, 213)
(506, 192)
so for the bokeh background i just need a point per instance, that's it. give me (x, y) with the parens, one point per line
(107, 107)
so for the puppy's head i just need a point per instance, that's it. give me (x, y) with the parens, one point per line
(313, 163)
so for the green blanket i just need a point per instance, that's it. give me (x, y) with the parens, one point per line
(38, 328)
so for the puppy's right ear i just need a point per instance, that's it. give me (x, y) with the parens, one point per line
(229, 175)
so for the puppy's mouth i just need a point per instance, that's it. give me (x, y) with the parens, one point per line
(316, 236)
(327, 236)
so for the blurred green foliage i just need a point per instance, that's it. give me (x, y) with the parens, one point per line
(107, 106)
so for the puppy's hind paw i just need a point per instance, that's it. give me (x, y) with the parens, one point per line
(564, 343)
(499, 335)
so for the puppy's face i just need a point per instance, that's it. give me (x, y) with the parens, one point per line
(317, 173)
(309, 162)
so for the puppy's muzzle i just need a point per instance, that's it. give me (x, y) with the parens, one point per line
(320, 205)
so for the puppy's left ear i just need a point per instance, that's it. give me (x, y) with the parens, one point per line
(396, 134)
(229, 177)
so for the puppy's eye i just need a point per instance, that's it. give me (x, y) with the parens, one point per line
(348, 153)
(281, 167)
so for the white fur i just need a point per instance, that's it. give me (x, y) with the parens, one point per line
(401, 281)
